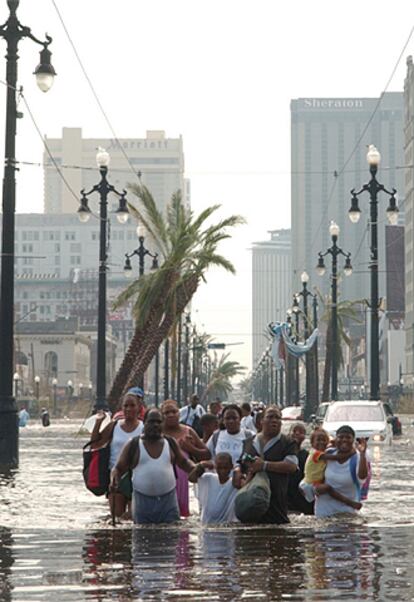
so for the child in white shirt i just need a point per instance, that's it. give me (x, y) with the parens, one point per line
(216, 491)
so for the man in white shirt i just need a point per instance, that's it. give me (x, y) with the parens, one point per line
(247, 421)
(191, 414)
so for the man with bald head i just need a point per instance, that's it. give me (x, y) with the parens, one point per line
(151, 457)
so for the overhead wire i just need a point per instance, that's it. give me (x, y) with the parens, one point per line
(94, 93)
(338, 174)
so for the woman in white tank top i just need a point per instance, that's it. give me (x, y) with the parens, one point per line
(119, 434)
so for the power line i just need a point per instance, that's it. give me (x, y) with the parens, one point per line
(342, 170)
(95, 95)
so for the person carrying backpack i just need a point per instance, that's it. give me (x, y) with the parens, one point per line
(191, 414)
(152, 457)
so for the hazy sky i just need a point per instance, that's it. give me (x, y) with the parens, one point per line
(220, 73)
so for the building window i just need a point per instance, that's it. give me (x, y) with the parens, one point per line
(70, 235)
(75, 260)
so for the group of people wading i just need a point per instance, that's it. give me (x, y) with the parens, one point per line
(157, 452)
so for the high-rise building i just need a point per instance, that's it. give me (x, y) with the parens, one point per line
(409, 216)
(329, 139)
(271, 285)
(158, 160)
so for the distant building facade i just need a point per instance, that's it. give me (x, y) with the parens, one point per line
(409, 213)
(52, 350)
(56, 272)
(158, 159)
(324, 133)
(271, 285)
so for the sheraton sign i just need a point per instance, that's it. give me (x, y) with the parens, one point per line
(333, 103)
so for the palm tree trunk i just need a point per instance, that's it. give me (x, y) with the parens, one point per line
(140, 335)
(154, 336)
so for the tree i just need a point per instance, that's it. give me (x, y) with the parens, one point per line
(222, 371)
(246, 387)
(188, 248)
(345, 311)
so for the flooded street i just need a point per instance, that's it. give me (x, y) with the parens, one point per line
(57, 543)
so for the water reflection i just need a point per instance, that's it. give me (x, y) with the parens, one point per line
(73, 555)
(6, 562)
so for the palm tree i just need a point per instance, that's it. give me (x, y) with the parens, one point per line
(346, 310)
(187, 248)
(223, 370)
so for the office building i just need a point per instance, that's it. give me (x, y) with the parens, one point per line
(408, 368)
(158, 160)
(329, 159)
(271, 286)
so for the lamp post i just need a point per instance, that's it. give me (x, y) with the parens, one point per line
(80, 391)
(312, 393)
(13, 31)
(103, 188)
(186, 357)
(296, 309)
(334, 251)
(54, 385)
(141, 252)
(373, 187)
(16, 379)
(37, 387)
(69, 385)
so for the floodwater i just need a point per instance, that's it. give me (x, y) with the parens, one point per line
(57, 544)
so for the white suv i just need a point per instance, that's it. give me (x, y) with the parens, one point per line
(367, 418)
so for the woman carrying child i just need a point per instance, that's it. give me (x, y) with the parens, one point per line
(343, 476)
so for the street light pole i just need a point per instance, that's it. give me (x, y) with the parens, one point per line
(54, 385)
(13, 31)
(334, 252)
(295, 308)
(373, 188)
(141, 252)
(311, 397)
(104, 189)
(37, 387)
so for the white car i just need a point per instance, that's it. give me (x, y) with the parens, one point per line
(367, 418)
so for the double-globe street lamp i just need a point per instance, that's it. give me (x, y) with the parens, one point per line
(373, 188)
(54, 385)
(334, 251)
(141, 252)
(13, 31)
(312, 385)
(103, 188)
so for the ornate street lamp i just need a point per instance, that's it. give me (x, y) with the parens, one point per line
(312, 392)
(54, 385)
(373, 188)
(334, 251)
(16, 379)
(141, 252)
(103, 188)
(13, 31)
(37, 387)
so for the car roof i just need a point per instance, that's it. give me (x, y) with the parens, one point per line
(358, 402)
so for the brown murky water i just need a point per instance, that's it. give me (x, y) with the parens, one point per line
(56, 543)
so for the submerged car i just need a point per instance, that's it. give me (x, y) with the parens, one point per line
(292, 413)
(367, 418)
